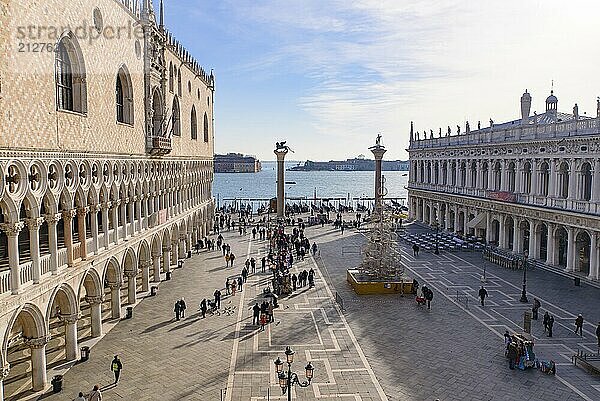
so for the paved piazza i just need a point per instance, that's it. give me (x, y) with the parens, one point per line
(380, 348)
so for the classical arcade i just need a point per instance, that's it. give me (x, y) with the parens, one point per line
(106, 180)
(532, 184)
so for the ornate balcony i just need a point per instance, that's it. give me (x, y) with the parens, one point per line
(159, 145)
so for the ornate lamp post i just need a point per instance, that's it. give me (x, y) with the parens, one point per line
(286, 381)
(437, 230)
(524, 292)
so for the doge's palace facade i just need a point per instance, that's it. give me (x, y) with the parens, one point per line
(106, 154)
(530, 186)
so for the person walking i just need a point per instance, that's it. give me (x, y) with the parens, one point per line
(182, 307)
(255, 314)
(227, 259)
(545, 321)
(231, 258)
(244, 274)
(116, 366)
(512, 355)
(203, 308)
(598, 334)
(270, 312)
(579, 325)
(294, 281)
(253, 265)
(177, 310)
(80, 397)
(428, 296)
(227, 284)
(217, 295)
(240, 283)
(342, 227)
(550, 324)
(535, 308)
(415, 250)
(482, 294)
(95, 395)
(263, 263)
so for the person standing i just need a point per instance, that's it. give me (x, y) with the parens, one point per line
(579, 325)
(428, 296)
(294, 281)
(482, 294)
(177, 310)
(535, 308)
(240, 284)
(217, 295)
(342, 227)
(415, 250)
(227, 258)
(270, 312)
(80, 397)
(598, 334)
(203, 308)
(550, 324)
(253, 265)
(512, 355)
(116, 366)
(182, 307)
(545, 321)
(231, 258)
(244, 274)
(95, 395)
(255, 314)
(227, 284)
(263, 263)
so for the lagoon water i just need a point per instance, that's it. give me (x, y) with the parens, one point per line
(328, 184)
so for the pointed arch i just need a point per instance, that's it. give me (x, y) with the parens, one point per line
(176, 118)
(193, 123)
(124, 96)
(71, 91)
(205, 128)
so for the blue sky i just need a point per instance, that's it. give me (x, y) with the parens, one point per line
(327, 76)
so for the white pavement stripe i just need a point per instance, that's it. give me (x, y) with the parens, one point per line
(572, 387)
(236, 339)
(353, 338)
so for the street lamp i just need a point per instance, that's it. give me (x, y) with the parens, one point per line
(437, 229)
(286, 381)
(524, 292)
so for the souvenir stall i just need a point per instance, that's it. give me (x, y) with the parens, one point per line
(523, 344)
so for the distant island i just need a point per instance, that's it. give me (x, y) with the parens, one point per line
(356, 164)
(236, 163)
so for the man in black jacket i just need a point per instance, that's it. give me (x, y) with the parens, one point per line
(482, 294)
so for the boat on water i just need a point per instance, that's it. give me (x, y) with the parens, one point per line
(291, 182)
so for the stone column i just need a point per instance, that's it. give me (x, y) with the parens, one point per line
(456, 228)
(466, 222)
(516, 248)
(115, 300)
(4, 371)
(534, 178)
(551, 250)
(12, 233)
(167, 259)
(52, 220)
(552, 179)
(501, 233)
(34, 247)
(573, 178)
(491, 180)
(156, 258)
(71, 349)
(38, 361)
(115, 219)
(138, 214)
(145, 266)
(488, 227)
(131, 205)
(518, 177)
(423, 210)
(281, 153)
(124, 217)
(594, 257)
(81, 214)
(105, 226)
(68, 225)
(95, 303)
(533, 241)
(570, 249)
(596, 182)
(131, 287)
(94, 227)
(447, 217)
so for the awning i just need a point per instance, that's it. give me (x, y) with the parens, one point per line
(478, 221)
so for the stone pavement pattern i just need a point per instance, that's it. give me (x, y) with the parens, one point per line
(415, 354)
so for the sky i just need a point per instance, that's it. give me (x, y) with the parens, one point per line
(327, 76)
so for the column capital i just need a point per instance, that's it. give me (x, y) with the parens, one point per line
(34, 223)
(116, 202)
(94, 299)
(38, 342)
(4, 371)
(130, 273)
(106, 205)
(71, 319)
(157, 255)
(167, 249)
(82, 211)
(69, 214)
(53, 218)
(94, 208)
(12, 229)
(136, 198)
(113, 286)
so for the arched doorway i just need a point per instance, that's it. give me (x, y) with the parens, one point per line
(495, 234)
(111, 307)
(525, 236)
(509, 232)
(582, 252)
(90, 305)
(542, 233)
(62, 315)
(561, 241)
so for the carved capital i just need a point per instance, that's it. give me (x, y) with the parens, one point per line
(94, 208)
(168, 249)
(114, 286)
(34, 223)
(94, 299)
(70, 319)
(52, 219)
(12, 229)
(4, 371)
(106, 205)
(38, 342)
(157, 255)
(130, 274)
(68, 215)
(82, 211)
(116, 202)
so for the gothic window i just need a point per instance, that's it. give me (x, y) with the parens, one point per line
(473, 175)
(179, 82)
(194, 124)
(176, 118)
(436, 173)
(544, 179)
(429, 172)
(157, 117)
(484, 175)
(70, 76)
(511, 177)
(124, 97)
(497, 176)
(205, 128)
(563, 180)
(171, 77)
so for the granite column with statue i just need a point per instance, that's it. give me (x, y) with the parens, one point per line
(378, 150)
(281, 151)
